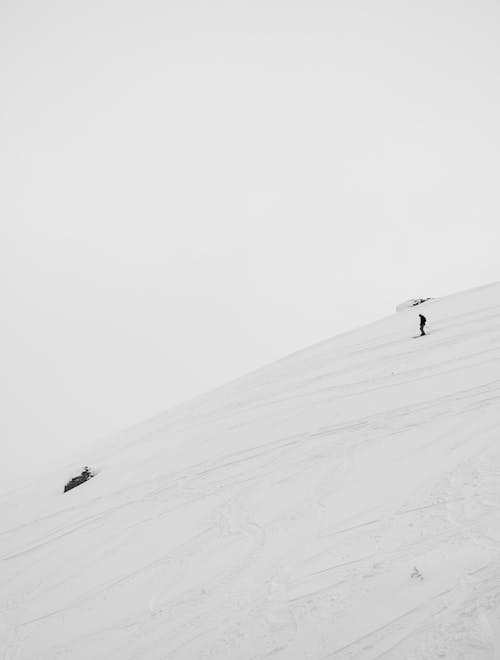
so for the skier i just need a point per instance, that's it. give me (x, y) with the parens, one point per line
(423, 321)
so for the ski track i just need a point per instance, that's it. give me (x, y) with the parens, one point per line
(343, 503)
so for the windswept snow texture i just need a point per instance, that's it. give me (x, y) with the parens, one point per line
(342, 503)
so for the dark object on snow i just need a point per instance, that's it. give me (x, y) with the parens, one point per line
(76, 481)
(416, 574)
(423, 321)
(412, 302)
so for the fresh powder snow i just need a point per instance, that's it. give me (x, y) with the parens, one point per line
(342, 503)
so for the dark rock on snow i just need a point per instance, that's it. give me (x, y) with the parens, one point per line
(76, 481)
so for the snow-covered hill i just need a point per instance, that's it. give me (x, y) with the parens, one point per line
(341, 503)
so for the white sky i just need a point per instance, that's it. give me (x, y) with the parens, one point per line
(193, 189)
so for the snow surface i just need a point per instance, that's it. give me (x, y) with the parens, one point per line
(341, 503)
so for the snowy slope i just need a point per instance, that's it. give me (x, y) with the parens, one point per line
(341, 503)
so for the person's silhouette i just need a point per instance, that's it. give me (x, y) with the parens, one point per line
(423, 321)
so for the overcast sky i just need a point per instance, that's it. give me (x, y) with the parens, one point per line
(192, 189)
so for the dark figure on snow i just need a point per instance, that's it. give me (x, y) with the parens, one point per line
(423, 321)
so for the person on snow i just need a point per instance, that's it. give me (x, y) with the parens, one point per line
(423, 321)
